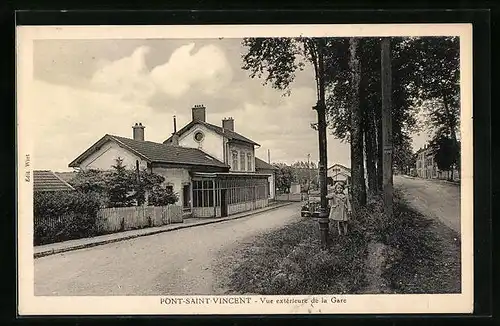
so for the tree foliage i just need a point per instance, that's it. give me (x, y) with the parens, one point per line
(146, 182)
(304, 165)
(438, 84)
(446, 152)
(437, 69)
(403, 156)
(370, 94)
(425, 78)
(161, 196)
(64, 215)
(90, 181)
(121, 187)
(284, 177)
(275, 60)
(404, 91)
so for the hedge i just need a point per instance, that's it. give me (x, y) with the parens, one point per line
(61, 216)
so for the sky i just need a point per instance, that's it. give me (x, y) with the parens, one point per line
(84, 89)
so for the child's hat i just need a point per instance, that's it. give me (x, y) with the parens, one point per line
(341, 183)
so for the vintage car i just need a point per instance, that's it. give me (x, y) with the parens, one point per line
(311, 207)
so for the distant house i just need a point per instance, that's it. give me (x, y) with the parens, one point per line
(338, 172)
(48, 181)
(212, 168)
(427, 168)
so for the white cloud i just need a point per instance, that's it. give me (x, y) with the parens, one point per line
(69, 120)
(115, 72)
(128, 77)
(207, 70)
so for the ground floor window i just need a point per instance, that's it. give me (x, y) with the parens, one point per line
(243, 190)
(207, 193)
(186, 196)
(203, 193)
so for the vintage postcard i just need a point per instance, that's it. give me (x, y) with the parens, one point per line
(285, 169)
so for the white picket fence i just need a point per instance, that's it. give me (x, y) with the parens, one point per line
(130, 218)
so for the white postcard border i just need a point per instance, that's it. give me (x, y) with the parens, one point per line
(355, 304)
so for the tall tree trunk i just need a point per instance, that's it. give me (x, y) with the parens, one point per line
(357, 168)
(452, 128)
(451, 120)
(380, 148)
(376, 114)
(370, 150)
(365, 46)
(387, 126)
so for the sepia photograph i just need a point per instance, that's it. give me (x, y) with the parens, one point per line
(245, 169)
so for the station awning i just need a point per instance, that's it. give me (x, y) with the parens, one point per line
(226, 175)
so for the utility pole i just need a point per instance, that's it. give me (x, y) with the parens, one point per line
(317, 176)
(323, 214)
(137, 171)
(387, 126)
(309, 174)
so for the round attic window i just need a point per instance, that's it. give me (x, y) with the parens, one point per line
(198, 136)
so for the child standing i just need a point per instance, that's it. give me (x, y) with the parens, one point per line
(340, 207)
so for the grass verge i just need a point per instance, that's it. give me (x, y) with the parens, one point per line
(424, 255)
(289, 261)
(419, 255)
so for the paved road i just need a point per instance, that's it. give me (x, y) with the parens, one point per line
(433, 198)
(179, 262)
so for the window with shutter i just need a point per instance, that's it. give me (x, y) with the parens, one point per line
(249, 161)
(235, 160)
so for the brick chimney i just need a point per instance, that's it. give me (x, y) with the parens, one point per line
(228, 124)
(175, 140)
(199, 113)
(138, 129)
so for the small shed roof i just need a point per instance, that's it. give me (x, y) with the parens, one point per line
(263, 165)
(341, 174)
(340, 166)
(46, 180)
